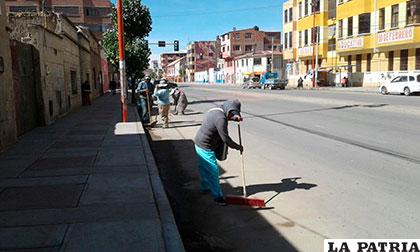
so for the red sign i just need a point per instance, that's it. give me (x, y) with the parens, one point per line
(396, 35)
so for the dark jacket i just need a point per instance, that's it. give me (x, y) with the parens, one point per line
(213, 132)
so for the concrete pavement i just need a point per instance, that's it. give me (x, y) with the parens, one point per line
(86, 183)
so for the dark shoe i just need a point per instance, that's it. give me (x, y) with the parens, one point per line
(220, 201)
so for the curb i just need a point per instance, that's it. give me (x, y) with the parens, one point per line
(171, 237)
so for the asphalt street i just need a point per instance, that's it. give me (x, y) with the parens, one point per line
(331, 164)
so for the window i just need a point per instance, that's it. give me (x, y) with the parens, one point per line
(243, 63)
(257, 61)
(248, 35)
(332, 9)
(248, 48)
(340, 28)
(316, 5)
(358, 63)
(70, 11)
(300, 38)
(331, 44)
(411, 78)
(97, 11)
(369, 62)
(364, 23)
(236, 47)
(238, 36)
(413, 11)
(349, 67)
(350, 26)
(331, 31)
(306, 7)
(382, 19)
(418, 59)
(290, 40)
(23, 9)
(315, 34)
(306, 38)
(300, 9)
(404, 60)
(394, 16)
(391, 61)
(223, 49)
(73, 82)
(286, 19)
(418, 78)
(290, 15)
(246, 62)
(285, 40)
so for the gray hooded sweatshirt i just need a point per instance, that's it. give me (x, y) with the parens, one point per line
(213, 132)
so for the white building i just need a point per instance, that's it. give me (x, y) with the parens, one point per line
(256, 64)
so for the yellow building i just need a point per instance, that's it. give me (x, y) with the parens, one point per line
(368, 41)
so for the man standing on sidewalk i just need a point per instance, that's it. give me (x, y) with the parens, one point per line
(162, 96)
(211, 142)
(144, 91)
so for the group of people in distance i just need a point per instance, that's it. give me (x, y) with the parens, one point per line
(147, 94)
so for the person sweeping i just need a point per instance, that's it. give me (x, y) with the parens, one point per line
(211, 143)
(162, 96)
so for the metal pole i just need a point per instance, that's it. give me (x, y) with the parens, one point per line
(316, 57)
(272, 54)
(121, 47)
(313, 44)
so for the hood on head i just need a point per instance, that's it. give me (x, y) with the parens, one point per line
(234, 105)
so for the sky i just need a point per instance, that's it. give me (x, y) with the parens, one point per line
(195, 20)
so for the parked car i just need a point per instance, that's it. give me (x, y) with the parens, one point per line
(253, 82)
(402, 84)
(272, 81)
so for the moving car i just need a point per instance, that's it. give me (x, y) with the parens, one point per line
(272, 81)
(253, 82)
(402, 84)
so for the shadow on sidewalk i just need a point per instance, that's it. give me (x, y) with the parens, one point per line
(203, 225)
(206, 101)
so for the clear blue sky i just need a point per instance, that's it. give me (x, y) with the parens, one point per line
(194, 20)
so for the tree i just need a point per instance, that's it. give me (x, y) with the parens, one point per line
(182, 73)
(137, 26)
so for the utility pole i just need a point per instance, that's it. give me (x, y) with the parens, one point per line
(313, 43)
(316, 56)
(121, 47)
(272, 54)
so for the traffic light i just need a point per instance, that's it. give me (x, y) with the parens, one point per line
(176, 45)
(161, 44)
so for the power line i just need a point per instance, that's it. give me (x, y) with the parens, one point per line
(200, 13)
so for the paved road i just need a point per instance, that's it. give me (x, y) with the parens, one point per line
(357, 157)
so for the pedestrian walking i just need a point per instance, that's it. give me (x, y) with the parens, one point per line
(211, 142)
(180, 100)
(113, 86)
(144, 93)
(300, 83)
(86, 91)
(161, 95)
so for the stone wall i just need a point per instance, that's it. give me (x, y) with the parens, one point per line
(7, 106)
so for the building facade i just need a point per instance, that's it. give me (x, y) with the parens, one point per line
(201, 56)
(93, 14)
(366, 41)
(256, 64)
(176, 71)
(66, 56)
(168, 58)
(239, 42)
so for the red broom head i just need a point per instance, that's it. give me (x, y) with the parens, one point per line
(240, 200)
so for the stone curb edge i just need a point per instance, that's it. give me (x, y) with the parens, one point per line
(171, 236)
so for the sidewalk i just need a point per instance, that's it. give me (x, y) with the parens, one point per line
(85, 183)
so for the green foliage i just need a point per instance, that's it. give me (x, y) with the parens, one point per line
(137, 26)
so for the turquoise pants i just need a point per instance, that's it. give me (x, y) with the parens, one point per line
(209, 172)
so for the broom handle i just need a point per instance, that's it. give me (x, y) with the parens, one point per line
(148, 106)
(242, 162)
